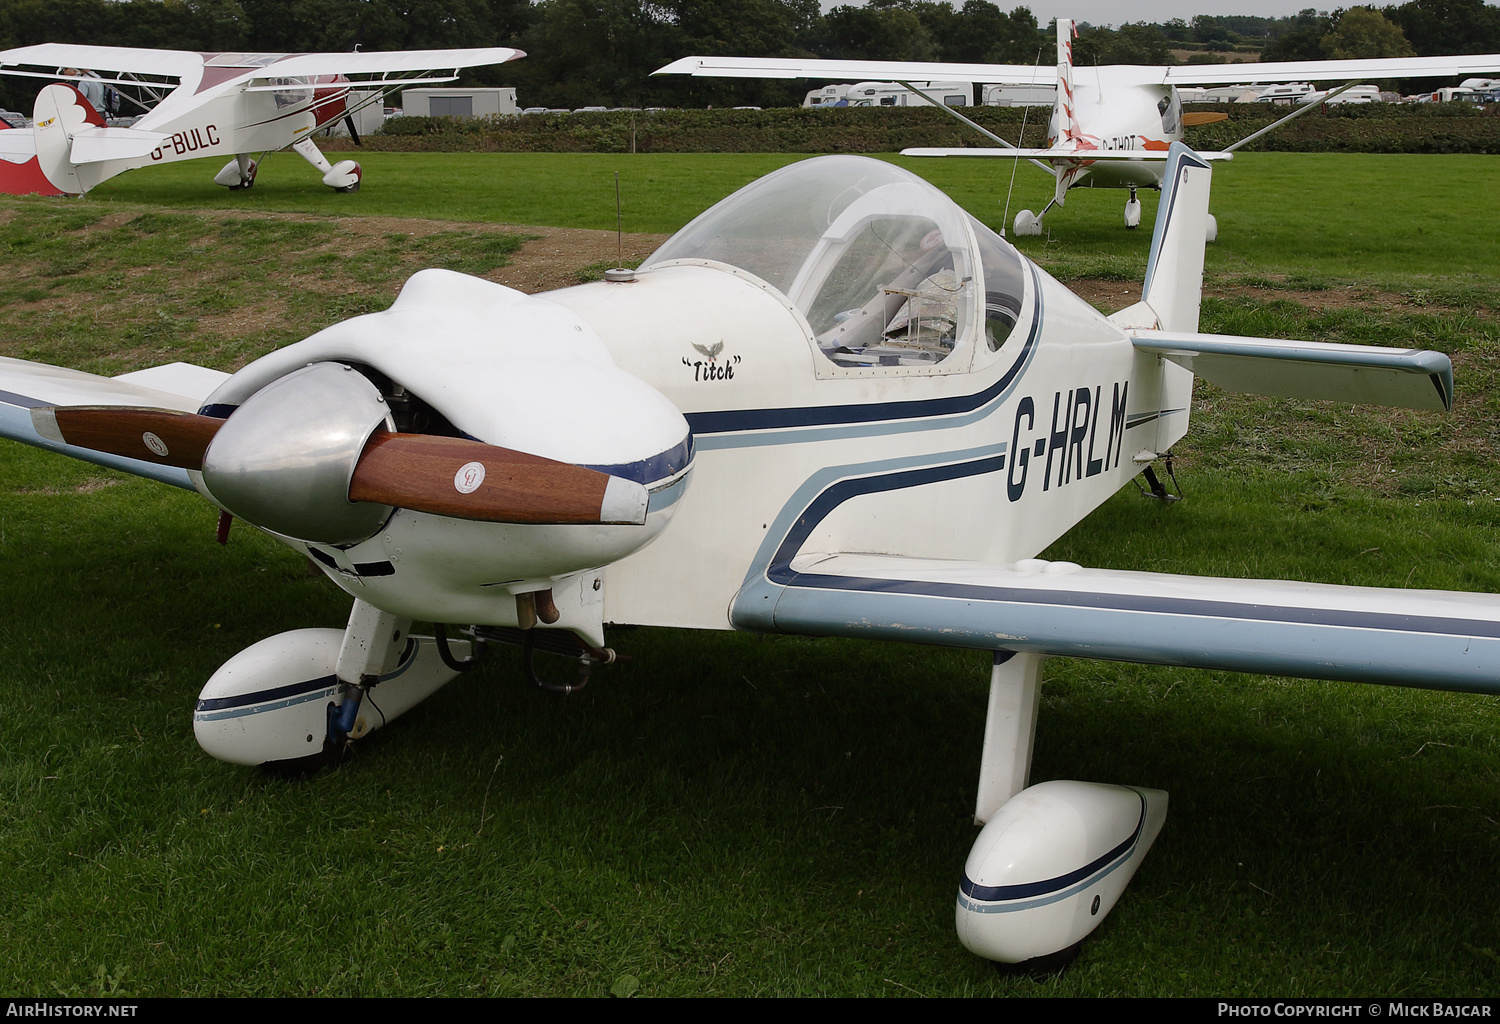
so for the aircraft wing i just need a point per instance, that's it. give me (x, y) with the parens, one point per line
(859, 70)
(1055, 154)
(1424, 638)
(391, 62)
(1407, 378)
(27, 386)
(1188, 74)
(1358, 70)
(133, 59)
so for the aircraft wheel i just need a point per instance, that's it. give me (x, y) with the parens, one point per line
(1211, 234)
(1040, 966)
(349, 188)
(242, 186)
(1132, 214)
(305, 767)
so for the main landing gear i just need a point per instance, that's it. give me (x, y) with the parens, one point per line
(304, 695)
(341, 177)
(238, 174)
(1052, 859)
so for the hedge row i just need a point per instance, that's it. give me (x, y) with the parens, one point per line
(1375, 128)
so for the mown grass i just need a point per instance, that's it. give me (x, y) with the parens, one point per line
(727, 814)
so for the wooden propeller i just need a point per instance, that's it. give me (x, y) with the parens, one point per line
(447, 476)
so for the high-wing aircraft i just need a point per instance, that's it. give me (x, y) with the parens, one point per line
(199, 105)
(848, 406)
(1111, 126)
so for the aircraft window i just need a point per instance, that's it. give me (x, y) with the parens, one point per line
(892, 299)
(879, 261)
(291, 92)
(1004, 285)
(1170, 109)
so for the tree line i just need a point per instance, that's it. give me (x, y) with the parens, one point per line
(602, 52)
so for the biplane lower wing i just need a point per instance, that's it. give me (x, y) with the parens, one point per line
(26, 386)
(1432, 639)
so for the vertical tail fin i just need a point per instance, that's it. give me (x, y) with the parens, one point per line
(1174, 272)
(60, 112)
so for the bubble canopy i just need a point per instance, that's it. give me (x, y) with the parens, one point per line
(886, 268)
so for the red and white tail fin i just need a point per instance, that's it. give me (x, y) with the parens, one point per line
(19, 173)
(1067, 111)
(61, 112)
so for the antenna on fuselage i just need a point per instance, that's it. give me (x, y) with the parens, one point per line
(619, 274)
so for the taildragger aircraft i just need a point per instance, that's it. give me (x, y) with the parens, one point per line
(199, 105)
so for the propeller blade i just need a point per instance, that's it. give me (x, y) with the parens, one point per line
(354, 132)
(1193, 118)
(453, 476)
(164, 437)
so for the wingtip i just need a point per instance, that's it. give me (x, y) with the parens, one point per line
(681, 66)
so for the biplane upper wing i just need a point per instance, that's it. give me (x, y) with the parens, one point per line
(1434, 639)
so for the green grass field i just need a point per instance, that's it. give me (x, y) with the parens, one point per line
(728, 814)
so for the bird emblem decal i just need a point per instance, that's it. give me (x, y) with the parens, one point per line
(709, 368)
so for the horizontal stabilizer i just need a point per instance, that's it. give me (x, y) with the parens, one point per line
(17, 145)
(1407, 378)
(1057, 153)
(93, 145)
(1424, 638)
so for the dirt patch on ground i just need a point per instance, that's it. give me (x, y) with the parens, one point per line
(550, 259)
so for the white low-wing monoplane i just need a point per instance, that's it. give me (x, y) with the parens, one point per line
(199, 105)
(1112, 125)
(835, 404)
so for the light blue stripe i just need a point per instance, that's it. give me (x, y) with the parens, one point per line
(824, 478)
(260, 709)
